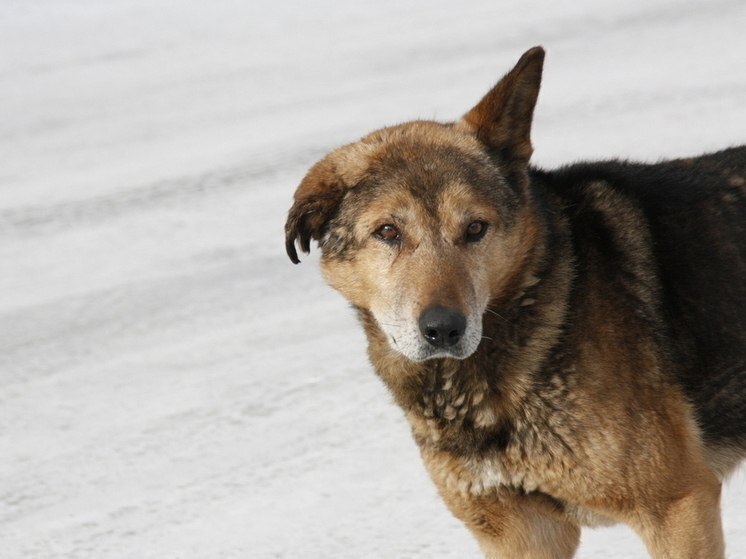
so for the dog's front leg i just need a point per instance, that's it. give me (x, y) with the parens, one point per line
(506, 525)
(530, 535)
(506, 529)
(688, 527)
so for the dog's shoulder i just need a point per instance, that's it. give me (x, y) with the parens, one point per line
(688, 215)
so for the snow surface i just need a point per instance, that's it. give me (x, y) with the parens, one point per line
(171, 386)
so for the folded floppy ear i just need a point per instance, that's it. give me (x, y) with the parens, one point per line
(320, 194)
(502, 119)
(316, 200)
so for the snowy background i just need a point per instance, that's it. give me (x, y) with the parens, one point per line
(170, 385)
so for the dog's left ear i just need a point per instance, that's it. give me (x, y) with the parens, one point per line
(502, 119)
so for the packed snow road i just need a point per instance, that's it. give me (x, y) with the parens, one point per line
(170, 385)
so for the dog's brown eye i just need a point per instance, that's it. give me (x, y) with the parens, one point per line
(388, 233)
(475, 231)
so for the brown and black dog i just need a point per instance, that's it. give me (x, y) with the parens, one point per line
(568, 346)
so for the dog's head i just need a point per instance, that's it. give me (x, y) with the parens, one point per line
(423, 224)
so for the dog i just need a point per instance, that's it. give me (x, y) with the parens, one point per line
(568, 346)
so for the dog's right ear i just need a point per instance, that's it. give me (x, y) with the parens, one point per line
(316, 201)
(320, 194)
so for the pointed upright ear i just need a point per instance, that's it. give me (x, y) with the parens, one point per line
(320, 194)
(502, 119)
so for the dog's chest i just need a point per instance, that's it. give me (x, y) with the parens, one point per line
(473, 450)
(477, 475)
(466, 448)
(501, 477)
(446, 405)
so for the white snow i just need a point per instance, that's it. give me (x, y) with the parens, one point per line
(170, 385)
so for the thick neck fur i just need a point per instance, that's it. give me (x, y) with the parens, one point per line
(470, 405)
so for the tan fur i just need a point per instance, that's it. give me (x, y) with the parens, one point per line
(524, 442)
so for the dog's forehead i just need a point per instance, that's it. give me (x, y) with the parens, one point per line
(426, 158)
(425, 132)
(427, 150)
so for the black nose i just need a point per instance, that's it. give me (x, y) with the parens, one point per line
(441, 326)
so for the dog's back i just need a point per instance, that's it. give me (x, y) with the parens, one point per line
(696, 211)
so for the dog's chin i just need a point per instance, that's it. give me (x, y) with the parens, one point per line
(451, 353)
(422, 352)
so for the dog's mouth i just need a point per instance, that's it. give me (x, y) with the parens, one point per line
(424, 353)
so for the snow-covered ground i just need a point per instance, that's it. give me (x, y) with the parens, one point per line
(170, 385)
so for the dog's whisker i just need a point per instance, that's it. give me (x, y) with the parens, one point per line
(496, 314)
